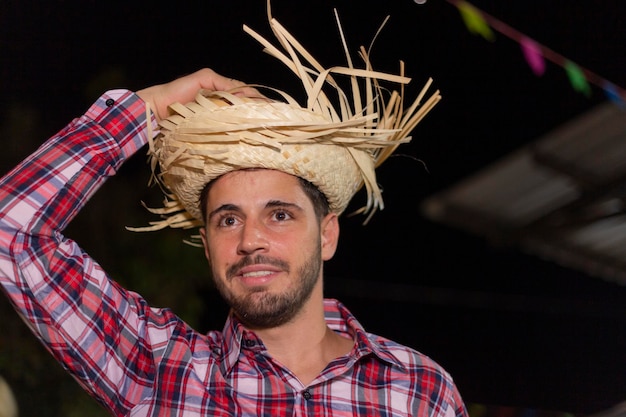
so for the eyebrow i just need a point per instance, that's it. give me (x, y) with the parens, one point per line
(223, 207)
(279, 203)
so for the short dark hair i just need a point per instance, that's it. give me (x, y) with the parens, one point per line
(318, 199)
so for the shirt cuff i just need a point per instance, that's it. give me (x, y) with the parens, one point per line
(123, 114)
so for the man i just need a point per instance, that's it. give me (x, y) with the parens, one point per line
(268, 213)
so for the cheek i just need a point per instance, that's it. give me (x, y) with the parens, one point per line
(299, 246)
(217, 250)
(289, 242)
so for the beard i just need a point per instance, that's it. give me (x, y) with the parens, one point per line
(261, 309)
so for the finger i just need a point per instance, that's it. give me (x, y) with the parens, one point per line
(214, 81)
(211, 80)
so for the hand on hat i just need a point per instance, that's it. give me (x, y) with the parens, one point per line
(184, 90)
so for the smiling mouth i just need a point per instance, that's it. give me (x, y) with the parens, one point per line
(256, 267)
(256, 274)
(257, 279)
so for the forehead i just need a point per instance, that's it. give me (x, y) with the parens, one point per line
(254, 183)
(248, 174)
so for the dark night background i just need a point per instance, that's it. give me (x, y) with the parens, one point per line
(513, 330)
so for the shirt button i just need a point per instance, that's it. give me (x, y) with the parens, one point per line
(250, 343)
(306, 394)
(109, 102)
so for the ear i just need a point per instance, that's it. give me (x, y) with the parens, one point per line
(205, 243)
(330, 235)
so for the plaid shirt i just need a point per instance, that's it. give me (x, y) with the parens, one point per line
(142, 361)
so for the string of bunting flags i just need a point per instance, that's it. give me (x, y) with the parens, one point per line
(480, 23)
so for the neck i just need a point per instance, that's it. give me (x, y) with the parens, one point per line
(306, 344)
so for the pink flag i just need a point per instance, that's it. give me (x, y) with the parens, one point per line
(533, 56)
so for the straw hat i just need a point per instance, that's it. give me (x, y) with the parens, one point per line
(335, 148)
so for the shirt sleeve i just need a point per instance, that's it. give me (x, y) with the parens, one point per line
(106, 337)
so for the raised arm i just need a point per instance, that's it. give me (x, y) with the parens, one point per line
(104, 335)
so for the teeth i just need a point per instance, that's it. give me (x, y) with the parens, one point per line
(257, 274)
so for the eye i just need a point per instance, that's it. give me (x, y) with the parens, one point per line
(227, 221)
(281, 215)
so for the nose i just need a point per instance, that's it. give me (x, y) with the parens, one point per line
(253, 239)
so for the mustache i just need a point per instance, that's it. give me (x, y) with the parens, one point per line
(258, 259)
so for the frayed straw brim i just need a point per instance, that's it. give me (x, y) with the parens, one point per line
(335, 149)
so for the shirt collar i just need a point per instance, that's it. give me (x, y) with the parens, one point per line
(341, 320)
(338, 318)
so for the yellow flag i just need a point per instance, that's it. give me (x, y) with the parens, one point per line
(474, 21)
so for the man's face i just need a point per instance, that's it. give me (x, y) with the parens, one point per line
(265, 244)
